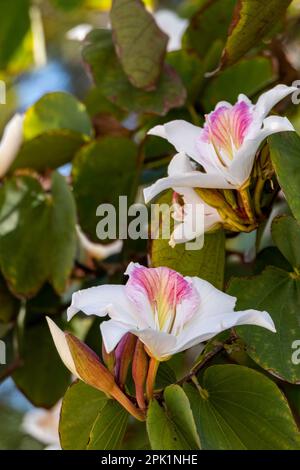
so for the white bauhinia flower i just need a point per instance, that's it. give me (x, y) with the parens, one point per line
(11, 142)
(79, 32)
(194, 217)
(98, 251)
(42, 425)
(171, 24)
(169, 313)
(226, 146)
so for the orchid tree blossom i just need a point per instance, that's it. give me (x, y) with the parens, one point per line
(11, 142)
(225, 147)
(98, 251)
(42, 425)
(168, 312)
(190, 222)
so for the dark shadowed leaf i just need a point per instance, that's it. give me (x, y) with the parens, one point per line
(43, 378)
(286, 235)
(99, 177)
(37, 234)
(14, 24)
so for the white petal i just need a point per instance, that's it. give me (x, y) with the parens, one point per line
(207, 326)
(212, 300)
(62, 347)
(11, 142)
(101, 301)
(42, 424)
(79, 32)
(98, 251)
(112, 333)
(242, 164)
(268, 100)
(158, 343)
(194, 179)
(173, 26)
(182, 134)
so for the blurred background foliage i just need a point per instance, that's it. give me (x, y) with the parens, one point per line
(87, 111)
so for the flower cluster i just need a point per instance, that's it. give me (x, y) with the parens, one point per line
(218, 165)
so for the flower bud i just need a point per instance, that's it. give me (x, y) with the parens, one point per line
(139, 372)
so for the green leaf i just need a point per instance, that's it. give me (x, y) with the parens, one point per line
(165, 376)
(14, 24)
(134, 30)
(37, 234)
(99, 177)
(172, 427)
(80, 408)
(190, 69)
(278, 293)
(252, 21)
(109, 428)
(56, 111)
(9, 305)
(49, 150)
(239, 408)
(12, 437)
(99, 53)
(286, 235)
(249, 76)
(43, 378)
(208, 26)
(207, 263)
(285, 155)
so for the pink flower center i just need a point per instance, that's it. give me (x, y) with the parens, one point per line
(226, 128)
(165, 290)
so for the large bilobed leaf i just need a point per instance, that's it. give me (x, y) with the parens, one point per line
(56, 111)
(207, 263)
(140, 44)
(172, 427)
(285, 155)
(109, 428)
(14, 24)
(241, 409)
(277, 292)
(209, 25)
(99, 177)
(49, 150)
(43, 378)
(252, 21)
(80, 408)
(100, 56)
(286, 235)
(37, 234)
(248, 76)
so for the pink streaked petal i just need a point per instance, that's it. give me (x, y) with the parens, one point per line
(226, 127)
(165, 289)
